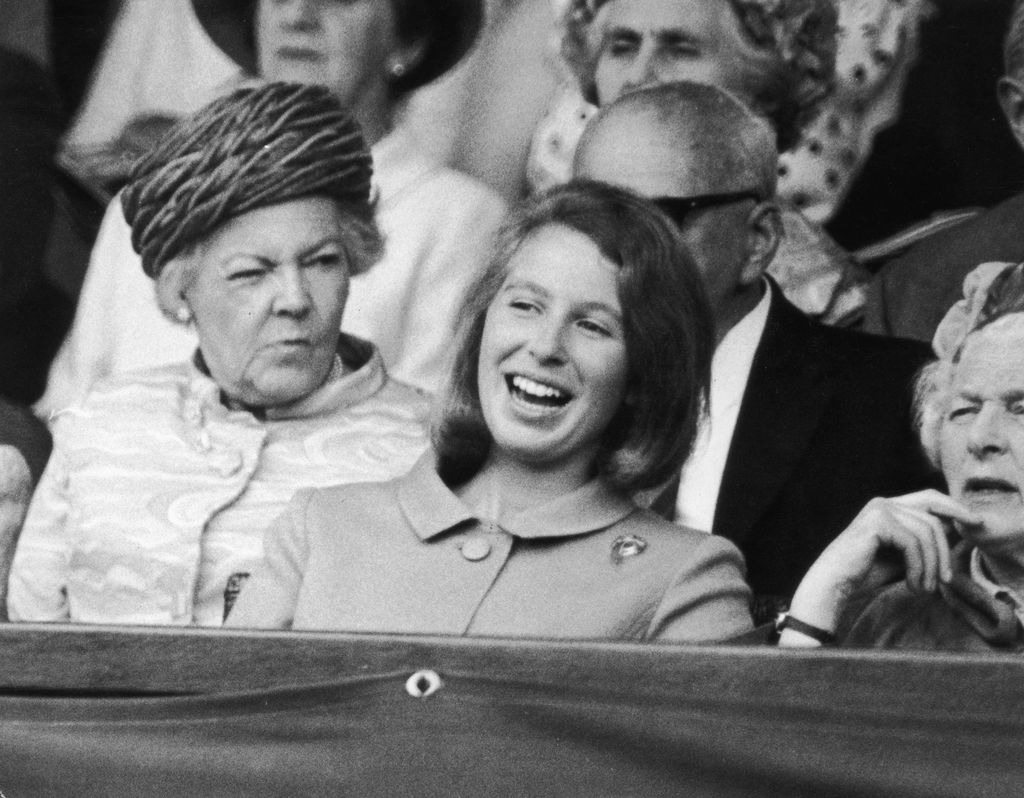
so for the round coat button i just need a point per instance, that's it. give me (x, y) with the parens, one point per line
(476, 549)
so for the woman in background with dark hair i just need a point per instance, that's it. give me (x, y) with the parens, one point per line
(581, 374)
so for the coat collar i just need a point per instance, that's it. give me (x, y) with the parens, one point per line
(786, 395)
(992, 617)
(432, 508)
(978, 573)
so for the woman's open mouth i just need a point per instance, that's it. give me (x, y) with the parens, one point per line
(535, 394)
(298, 54)
(989, 488)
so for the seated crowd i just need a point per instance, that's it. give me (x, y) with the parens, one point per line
(317, 380)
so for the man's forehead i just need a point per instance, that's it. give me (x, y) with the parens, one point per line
(689, 17)
(637, 153)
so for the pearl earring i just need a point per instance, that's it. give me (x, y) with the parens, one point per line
(397, 70)
(183, 314)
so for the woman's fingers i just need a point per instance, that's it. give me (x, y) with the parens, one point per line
(921, 538)
(907, 532)
(939, 504)
(907, 538)
(945, 559)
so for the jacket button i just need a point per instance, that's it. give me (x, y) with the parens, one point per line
(476, 549)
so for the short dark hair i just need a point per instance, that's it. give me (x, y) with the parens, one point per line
(669, 336)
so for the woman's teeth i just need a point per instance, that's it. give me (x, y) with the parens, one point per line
(537, 392)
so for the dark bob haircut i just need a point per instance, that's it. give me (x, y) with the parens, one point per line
(669, 337)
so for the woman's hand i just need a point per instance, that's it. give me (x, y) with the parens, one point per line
(914, 527)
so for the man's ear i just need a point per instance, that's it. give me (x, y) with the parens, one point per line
(1011, 100)
(764, 232)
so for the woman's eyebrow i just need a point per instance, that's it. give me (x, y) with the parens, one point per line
(975, 397)
(333, 238)
(620, 33)
(528, 285)
(674, 36)
(603, 307)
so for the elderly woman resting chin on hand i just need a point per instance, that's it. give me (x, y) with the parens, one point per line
(251, 217)
(964, 553)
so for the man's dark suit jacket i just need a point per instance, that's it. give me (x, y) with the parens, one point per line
(824, 426)
(910, 295)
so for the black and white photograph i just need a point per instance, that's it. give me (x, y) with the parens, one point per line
(512, 398)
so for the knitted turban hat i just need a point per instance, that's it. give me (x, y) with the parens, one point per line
(254, 148)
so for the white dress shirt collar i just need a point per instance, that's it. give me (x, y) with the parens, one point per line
(701, 477)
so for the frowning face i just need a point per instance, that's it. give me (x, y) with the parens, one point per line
(982, 437)
(267, 297)
(553, 363)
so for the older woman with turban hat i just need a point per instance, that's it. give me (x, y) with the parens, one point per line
(438, 224)
(252, 217)
(963, 552)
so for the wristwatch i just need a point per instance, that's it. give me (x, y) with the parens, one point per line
(786, 621)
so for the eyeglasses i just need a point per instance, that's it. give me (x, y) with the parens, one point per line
(678, 208)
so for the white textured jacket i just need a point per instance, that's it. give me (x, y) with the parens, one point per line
(153, 505)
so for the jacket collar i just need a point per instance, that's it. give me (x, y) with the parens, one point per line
(992, 617)
(786, 395)
(432, 508)
(979, 574)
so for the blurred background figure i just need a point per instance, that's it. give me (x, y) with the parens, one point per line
(910, 295)
(878, 43)
(155, 66)
(25, 446)
(778, 57)
(152, 508)
(944, 149)
(34, 313)
(949, 149)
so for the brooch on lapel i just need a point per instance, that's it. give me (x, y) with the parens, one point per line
(626, 546)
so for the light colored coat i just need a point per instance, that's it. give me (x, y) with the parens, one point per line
(407, 556)
(157, 494)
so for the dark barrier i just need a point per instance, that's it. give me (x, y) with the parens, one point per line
(141, 712)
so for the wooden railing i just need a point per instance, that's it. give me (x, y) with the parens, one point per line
(173, 712)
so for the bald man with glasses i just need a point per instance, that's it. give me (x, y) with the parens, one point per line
(807, 422)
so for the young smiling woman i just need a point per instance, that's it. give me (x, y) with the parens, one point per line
(553, 362)
(580, 375)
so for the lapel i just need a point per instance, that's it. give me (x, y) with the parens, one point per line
(786, 394)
